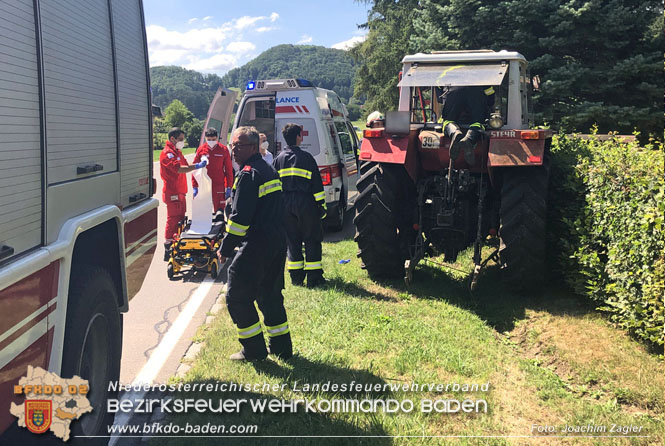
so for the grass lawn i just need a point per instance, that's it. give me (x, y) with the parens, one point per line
(185, 151)
(361, 125)
(549, 360)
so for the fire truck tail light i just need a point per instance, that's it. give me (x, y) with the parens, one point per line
(530, 134)
(373, 133)
(535, 159)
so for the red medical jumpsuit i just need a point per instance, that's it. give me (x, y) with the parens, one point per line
(175, 187)
(220, 171)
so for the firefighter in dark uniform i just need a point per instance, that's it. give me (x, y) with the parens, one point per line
(304, 207)
(256, 274)
(466, 104)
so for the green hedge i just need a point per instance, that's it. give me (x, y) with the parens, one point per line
(606, 232)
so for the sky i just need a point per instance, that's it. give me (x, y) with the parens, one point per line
(215, 36)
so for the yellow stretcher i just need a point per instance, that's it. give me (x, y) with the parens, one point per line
(196, 251)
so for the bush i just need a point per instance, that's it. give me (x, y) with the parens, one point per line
(158, 140)
(193, 130)
(606, 228)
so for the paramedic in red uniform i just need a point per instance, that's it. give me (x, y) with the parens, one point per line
(173, 168)
(220, 169)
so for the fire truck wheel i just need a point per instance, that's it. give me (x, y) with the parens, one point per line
(93, 343)
(380, 213)
(523, 217)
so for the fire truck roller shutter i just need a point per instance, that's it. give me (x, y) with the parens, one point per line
(134, 108)
(80, 90)
(21, 169)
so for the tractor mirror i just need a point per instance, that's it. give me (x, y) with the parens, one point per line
(535, 82)
(397, 123)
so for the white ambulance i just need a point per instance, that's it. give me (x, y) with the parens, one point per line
(327, 134)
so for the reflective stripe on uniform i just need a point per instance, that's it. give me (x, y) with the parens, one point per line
(477, 125)
(269, 187)
(445, 123)
(236, 228)
(248, 332)
(489, 91)
(295, 172)
(278, 330)
(320, 196)
(313, 265)
(235, 183)
(295, 265)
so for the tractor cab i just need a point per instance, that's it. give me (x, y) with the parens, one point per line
(427, 78)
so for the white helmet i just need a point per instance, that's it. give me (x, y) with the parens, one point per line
(374, 116)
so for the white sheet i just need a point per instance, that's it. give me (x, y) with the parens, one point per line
(202, 204)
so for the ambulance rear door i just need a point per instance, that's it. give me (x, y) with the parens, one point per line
(219, 114)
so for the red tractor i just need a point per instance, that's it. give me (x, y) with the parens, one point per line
(417, 200)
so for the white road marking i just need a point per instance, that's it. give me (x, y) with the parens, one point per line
(159, 356)
(165, 348)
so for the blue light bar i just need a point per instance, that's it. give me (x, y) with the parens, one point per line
(304, 83)
(250, 85)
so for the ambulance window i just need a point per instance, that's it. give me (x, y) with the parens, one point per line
(344, 138)
(259, 112)
(333, 138)
(354, 137)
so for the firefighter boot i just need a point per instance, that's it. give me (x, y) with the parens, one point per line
(315, 278)
(167, 251)
(297, 277)
(281, 346)
(453, 132)
(468, 143)
(253, 349)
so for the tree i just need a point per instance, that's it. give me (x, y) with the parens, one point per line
(193, 130)
(390, 26)
(194, 89)
(176, 114)
(159, 126)
(599, 60)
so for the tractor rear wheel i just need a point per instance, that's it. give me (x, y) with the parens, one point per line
(382, 219)
(522, 230)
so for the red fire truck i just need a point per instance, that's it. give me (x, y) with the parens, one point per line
(78, 224)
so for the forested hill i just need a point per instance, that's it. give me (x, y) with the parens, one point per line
(192, 88)
(325, 67)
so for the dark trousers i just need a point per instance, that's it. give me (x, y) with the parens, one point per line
(303, 225)
(256, 275)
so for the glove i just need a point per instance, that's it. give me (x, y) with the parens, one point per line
(228, 193)
(196, 191)
(201, 164)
